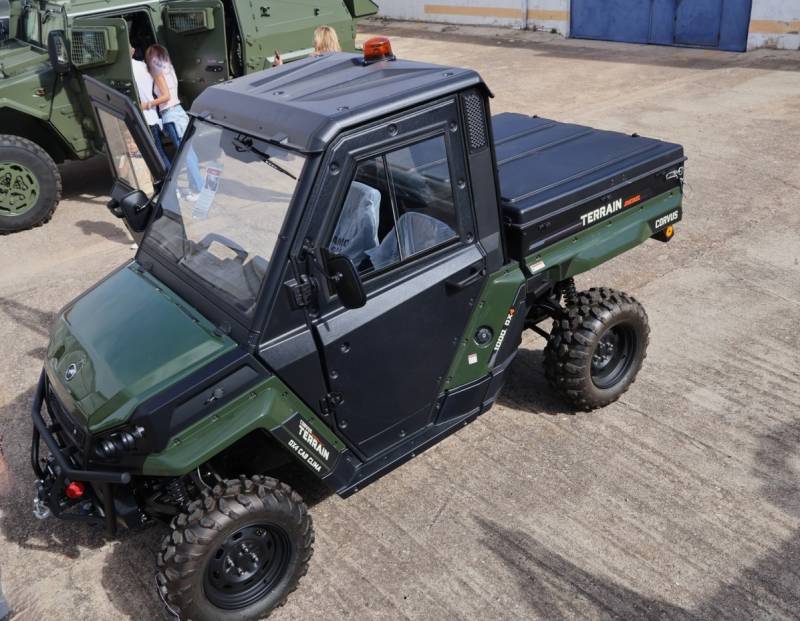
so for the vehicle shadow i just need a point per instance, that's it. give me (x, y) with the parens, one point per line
(527, 389)
(36, 320)
(108, 230)
(61, 539)
(89, 180)
(768, 588)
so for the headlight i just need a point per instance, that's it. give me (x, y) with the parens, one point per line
(115, 444)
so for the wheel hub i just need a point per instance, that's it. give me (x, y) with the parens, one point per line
(613, 356)
(246, 566)
(19, 189)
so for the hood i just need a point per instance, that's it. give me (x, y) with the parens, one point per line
(124, 341)
(17, 57)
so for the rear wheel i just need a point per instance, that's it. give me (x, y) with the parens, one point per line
(30, 184)
(236, 553)
(594, 353)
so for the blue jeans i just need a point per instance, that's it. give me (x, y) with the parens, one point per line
(155, 130)
(175, 122)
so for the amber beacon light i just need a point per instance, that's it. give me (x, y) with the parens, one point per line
(377, 49)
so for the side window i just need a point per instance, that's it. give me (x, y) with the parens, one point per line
(398, 205)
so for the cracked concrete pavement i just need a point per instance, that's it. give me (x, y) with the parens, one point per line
(681, 501)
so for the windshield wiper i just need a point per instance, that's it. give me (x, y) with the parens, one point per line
(245, 143)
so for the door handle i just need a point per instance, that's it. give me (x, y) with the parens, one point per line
(214, 68)
(458, 285)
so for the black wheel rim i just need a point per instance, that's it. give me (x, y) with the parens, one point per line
(247, 566)
(613, 355)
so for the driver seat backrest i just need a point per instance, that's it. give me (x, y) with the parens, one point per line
(357, 229)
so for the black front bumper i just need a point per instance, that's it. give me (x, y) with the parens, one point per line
(59, 470)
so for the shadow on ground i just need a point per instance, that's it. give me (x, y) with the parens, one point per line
(769, 588)
(526, 387)
(88, 180)
(109, 231)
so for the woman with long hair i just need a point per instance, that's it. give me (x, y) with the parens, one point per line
(173, 116)
(325, 41)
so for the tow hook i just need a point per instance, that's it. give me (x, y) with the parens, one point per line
(40, 510)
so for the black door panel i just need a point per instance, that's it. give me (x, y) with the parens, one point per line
(388, 359)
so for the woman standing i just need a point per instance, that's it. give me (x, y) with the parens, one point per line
(173, 116)
(325, 41)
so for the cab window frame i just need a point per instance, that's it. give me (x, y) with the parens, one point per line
(447, 111)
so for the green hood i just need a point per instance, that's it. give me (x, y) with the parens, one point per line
(128, 338)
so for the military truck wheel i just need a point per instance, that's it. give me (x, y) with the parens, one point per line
(30, 184)
(595, 352)
(237, 552)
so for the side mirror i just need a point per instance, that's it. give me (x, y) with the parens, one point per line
(58, 50)
(346, 281)
(135, 207)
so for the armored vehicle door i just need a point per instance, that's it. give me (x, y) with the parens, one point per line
(132, 155)
(195, 37)
(404, 218)
(99, 48)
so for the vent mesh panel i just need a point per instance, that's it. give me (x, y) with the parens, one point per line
(88, 47)
(476, 121)
(186, 22)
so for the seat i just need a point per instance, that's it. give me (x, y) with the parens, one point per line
(416, 232)
(357, 229)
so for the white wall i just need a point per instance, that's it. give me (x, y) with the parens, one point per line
(539, 14)
(775, 23)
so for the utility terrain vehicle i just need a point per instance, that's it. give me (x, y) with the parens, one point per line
(46, 47)
(349, 288)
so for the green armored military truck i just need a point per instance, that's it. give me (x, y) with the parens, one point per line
(45, 118)
(350, 287)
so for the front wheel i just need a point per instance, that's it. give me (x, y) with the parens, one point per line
(236, 553)
(30, 184)
(594, 352)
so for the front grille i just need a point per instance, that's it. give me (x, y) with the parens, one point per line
(88, 47)
(71, 431)
(187, 21)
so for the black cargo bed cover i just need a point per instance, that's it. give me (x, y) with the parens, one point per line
(550, 173)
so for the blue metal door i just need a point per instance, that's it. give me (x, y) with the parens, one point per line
(719, 24)
(698, 23)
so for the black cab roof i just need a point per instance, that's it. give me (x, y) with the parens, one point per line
(305, 104)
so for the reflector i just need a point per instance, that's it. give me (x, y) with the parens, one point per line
(75, 490)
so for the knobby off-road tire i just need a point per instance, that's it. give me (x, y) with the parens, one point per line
(594, 353)
(261, 525)
(30, 184)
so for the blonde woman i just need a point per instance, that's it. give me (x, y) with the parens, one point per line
(325, 41)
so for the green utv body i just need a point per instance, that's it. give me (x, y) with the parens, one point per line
(349, 287)
(45, 116)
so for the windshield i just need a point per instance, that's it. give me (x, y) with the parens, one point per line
(223, 207)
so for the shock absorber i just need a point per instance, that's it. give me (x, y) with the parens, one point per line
(177, 494)
(568, 290)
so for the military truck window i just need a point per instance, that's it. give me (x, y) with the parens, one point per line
(31, 26)
(223, 207)
(399, 205)
(125, 155)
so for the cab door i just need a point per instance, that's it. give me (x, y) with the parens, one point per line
(404, 218)
(100, 48)
(135, 163)
(195, 37)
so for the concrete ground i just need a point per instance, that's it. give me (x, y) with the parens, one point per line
(680, 501)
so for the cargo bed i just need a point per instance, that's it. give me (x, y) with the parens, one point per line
(557, 179)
